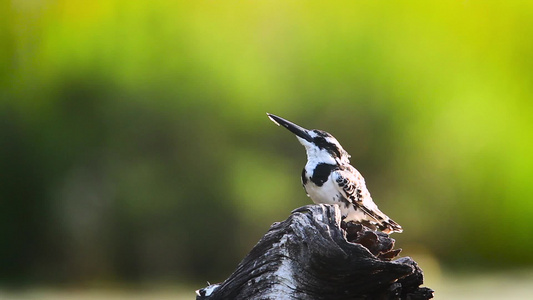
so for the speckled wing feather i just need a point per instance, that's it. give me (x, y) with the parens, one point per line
(352, 187)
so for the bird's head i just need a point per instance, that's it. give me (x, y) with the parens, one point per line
(320, 145)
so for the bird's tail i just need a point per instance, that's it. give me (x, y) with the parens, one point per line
(389, 226)
(382, 221)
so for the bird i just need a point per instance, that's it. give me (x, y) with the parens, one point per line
(329, 178)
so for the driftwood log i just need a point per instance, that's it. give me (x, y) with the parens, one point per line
(314, 255)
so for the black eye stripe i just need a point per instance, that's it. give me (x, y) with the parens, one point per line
(322, 143)
(337, 153)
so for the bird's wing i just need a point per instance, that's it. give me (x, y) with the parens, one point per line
(351, 185)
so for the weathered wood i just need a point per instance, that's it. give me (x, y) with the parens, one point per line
(313, 255)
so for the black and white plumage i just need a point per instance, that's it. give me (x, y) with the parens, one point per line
(329, 178)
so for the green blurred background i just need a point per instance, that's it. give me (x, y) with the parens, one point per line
(135, 151)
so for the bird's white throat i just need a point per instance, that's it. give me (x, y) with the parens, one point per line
(315, 155)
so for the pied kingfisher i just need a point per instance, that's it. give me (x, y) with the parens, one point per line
(329, 178)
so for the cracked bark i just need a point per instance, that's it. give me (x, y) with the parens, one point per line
(313, 255)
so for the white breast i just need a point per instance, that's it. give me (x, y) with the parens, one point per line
(328, 193)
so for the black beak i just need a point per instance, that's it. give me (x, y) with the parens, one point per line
(298, 130)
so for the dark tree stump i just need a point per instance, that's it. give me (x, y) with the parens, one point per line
(313, 255)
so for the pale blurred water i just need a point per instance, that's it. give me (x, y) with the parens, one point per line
(50, 294)
(504, 285)
(456, 286)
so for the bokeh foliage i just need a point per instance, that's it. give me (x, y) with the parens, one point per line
(134, 143)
